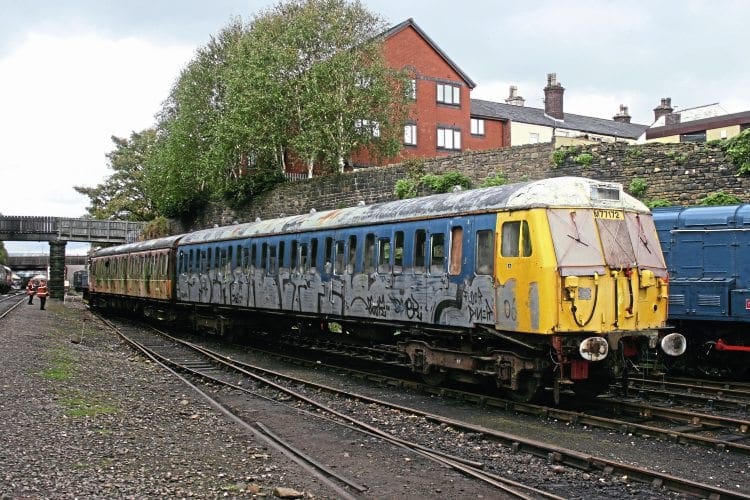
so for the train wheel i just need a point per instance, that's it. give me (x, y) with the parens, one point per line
(434, 377)
(708, 363)
(529, 388)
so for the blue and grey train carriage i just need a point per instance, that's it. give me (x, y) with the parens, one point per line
(558, 281)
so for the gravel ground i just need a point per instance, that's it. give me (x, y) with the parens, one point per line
(83, 416)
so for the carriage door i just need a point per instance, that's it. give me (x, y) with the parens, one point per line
(517, 290)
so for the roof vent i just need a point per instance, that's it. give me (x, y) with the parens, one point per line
(312, 210)
(361, 203)
(457, 188)
(257, 219)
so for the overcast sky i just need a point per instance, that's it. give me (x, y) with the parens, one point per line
(73, 73)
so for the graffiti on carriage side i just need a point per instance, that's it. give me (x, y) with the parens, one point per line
(479, 306)
(377, 306)
(409, 306)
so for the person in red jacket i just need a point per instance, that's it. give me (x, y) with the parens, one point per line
(31, 290)
(42, 292)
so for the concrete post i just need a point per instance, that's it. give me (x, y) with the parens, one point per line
(57, 269)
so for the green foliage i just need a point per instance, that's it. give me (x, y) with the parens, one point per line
(498, 179)
(406, 188)
(238, 193)
(678, 158)
(442, 183)
(656, 203)
(157, 228)
(584, 159)
(719, 198)
(737, 150)
(563, 153)
(290, 85)
(122, 195)
(633, 153)
(638, 187)
(3, 254)
(438, 183)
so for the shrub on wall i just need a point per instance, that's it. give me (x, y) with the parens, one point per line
(719, 198)
(737, 150)
(638, 187)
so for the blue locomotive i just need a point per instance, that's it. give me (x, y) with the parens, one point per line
(707, 252)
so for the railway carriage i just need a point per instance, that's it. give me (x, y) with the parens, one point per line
(706, 249)
(556, 281)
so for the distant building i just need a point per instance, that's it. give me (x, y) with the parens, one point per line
(698, 124)
(440, 121)
(535, 125)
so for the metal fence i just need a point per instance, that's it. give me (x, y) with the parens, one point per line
(62, 229)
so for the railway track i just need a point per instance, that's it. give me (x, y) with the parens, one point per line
(701, 393)
(9, 302)
(208, 369)
(730, 433)
(211, 366)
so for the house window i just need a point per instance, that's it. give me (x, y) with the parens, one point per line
(411, 89)
(694, 137)
(368, 127)
(533, 138)
(448, 138)
(477, 126)
(448, 94)
(410, 134)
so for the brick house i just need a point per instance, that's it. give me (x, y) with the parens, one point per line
(439, 121)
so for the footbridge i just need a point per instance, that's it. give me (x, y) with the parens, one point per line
(58, 231)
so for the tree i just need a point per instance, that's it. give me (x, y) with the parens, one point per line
(309, 76)
(294, 82)
(3, 254)
(184, 171)
(122, 195)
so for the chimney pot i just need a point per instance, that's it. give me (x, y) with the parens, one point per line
(622, 116)
(514, 98)
(664, 108)
(553, 97)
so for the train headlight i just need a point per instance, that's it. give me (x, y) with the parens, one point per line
(674, 344)
(593, 349)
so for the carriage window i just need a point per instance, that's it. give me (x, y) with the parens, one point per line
(370, 253)
(314, 253)
(227, 253)
(328, 256)
(273, 262)
(209, 260)
(282, 255)
(352, 259)
(384, 255)
(293, 263)
(516, 239)
(183, 261)
(254, 255)
(191, 260)
(304, 264)
(437, 253)
(485, 243)
(420, 250)
(338, 259)
(264, 256)
(457, 244)
(398, 252)
(246, 258)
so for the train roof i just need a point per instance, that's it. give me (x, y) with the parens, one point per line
(141, 246)
(554, 192)
(729, 216)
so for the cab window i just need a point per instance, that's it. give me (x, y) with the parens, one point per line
(516, 239)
